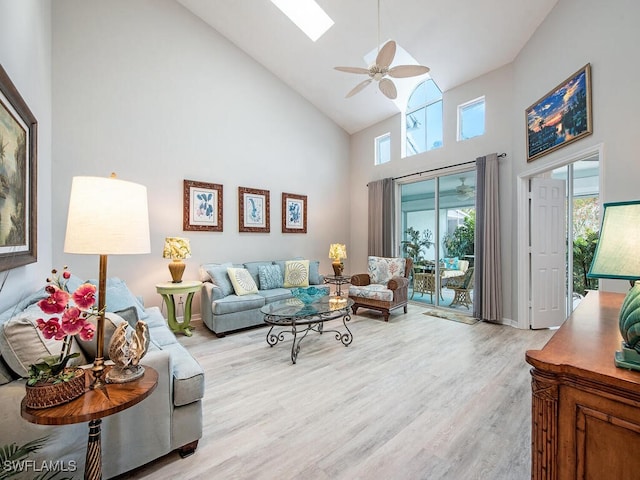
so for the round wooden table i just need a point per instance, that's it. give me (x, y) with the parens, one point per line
(91, 407)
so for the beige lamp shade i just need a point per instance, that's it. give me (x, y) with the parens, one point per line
(176, 248)
(107, 216)
(337, 251)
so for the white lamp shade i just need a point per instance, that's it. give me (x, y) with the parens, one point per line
(107, 216)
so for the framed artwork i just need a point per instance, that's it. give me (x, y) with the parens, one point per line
(202, 206)
(253, 210)
(561, 117)
(294, 213)
(18, 163)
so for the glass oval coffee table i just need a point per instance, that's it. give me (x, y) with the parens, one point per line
(299, 319)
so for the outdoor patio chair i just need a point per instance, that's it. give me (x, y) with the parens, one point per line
(462, 287)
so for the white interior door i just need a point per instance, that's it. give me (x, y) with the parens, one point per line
(548, 253)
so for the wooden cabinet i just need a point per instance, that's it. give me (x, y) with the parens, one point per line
(585, 410)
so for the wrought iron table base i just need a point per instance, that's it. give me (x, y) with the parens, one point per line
(303, 328)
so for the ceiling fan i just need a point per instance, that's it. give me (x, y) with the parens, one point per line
(465, 192)
(381, 69)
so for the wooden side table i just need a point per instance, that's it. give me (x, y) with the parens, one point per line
(92, 407)
(168, 290)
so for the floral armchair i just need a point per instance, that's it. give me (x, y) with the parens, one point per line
(384, 288)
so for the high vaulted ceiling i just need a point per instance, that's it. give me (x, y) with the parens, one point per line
(458, 39)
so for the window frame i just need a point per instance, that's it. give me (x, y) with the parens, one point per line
(461, 108)
(377, 140)
(407, 152)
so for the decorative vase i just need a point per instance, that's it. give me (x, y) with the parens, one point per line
(46, 394)
(176, 267)
(338, 267)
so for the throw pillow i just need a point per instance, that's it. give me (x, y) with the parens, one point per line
(22, 342)
(90, 347)
(383, 269)
(242, 281)
(119, 297)
(451, 263)
(314, 272)
(220, 278)
(270, 277)
(296, 273)
(130, 315)
(254, 269)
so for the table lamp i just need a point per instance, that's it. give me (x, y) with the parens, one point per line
(337, 251)
(617, 257)
(177, 249)
(107, 216)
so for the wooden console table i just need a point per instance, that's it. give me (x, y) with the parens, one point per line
(585, 410)
(91, 407)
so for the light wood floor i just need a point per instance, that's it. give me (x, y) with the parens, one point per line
(416, 398)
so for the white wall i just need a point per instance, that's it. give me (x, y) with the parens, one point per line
(25, 54)
(149, 91)
(576, 32)
(606, 35)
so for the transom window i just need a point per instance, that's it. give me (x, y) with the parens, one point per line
(383, 149)
(471, 119)
(424, 118)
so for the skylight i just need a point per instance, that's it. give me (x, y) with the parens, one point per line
(307, 15)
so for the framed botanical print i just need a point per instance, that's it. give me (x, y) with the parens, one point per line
(294, 213)
(202, 206)
(18, 177)
(253, 210)
(561, 117)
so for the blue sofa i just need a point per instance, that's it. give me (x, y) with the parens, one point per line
(224, 311)
(169, 419)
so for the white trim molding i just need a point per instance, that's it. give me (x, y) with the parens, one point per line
(522, 197)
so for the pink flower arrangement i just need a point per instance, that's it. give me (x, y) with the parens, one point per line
(74, 318)
(71, 319)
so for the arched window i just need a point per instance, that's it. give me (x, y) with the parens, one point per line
(424, 118)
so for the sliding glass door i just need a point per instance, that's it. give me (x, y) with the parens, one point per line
(437, 232)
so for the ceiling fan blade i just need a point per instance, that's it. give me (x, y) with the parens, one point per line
(386, 54)
(404, 71)
(352, 70)
(388, 88)
(358, 87)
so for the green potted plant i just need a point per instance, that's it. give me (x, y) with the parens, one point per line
(415, 244)
(461, 241)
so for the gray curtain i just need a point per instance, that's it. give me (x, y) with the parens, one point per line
(381, 217)
(487, 294)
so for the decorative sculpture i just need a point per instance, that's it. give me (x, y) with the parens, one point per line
(126, 350)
